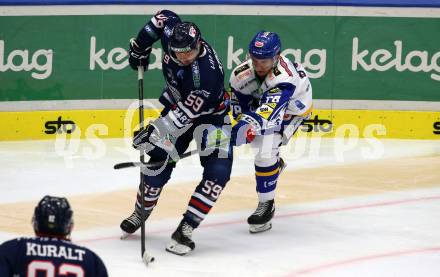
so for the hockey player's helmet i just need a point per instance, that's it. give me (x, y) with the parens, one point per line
(185, 37)
(53, 217)
(265, 45)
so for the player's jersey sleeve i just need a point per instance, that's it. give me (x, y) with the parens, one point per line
(301, 104)
(162, 21)
(8, 257)
(240, 102)
(272, 107)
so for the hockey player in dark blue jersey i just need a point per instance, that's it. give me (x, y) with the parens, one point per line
(195, 107)
(50, 253)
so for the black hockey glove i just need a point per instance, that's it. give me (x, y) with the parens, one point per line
(138, 56)
(143, 137)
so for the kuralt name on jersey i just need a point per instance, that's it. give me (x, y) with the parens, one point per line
(54, 251)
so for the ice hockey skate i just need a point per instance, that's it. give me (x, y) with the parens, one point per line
(181, 242)
(132, 223)
(260, 220)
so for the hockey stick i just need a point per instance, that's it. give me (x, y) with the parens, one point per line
(145, 257)
(160, 163)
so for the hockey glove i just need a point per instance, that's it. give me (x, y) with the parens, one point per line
(138, 56)
(155, 141)
(242, 133)
(143, 137)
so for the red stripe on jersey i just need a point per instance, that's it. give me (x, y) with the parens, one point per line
(284, 65)
(199, 205)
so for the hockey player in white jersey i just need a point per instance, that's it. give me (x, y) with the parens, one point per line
(271, 96)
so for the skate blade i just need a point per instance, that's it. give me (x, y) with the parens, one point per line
(258, 228)
(177, 248)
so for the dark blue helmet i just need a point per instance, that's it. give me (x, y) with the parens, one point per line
(265, 45)
(184, 37)
(53, 217)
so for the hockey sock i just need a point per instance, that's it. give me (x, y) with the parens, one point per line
(201, 202)
(266, 178)
(151, 197)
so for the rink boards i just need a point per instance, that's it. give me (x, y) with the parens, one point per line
(43, 125)
(346, 59)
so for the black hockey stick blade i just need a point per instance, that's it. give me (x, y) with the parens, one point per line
(126, 164)
(137, 164)
(160, 163)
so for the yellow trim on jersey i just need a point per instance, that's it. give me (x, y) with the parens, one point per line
(270, 173)
(265, 115)
(309, 111)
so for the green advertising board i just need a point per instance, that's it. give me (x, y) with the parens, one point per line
(351, 57)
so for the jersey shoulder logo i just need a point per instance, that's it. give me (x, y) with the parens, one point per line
(276, 71)
(196, 74)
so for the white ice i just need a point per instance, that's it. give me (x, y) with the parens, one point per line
(391, 234)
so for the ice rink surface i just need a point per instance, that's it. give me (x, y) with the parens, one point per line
(391, 233)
